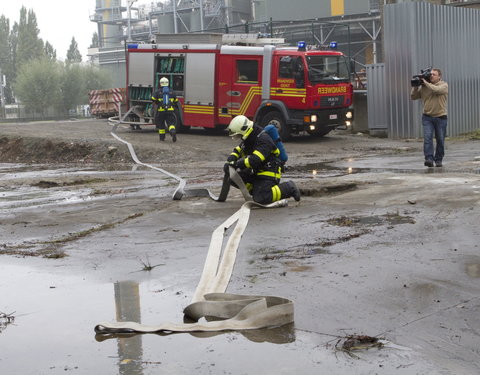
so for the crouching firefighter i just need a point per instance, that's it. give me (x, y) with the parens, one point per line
(257, 159)
(164, 102)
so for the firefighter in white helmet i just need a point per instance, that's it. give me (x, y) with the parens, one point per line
(164, 104)
(257, 159)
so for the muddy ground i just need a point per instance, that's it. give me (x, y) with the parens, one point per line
(379, 245)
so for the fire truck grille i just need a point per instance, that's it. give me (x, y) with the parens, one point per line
(331, 101)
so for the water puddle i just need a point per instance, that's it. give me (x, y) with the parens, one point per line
(41, 185)
(56, 312)
(473, 269)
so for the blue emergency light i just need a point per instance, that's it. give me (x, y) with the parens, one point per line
(302, 46)
(333, 45)
(132, 46)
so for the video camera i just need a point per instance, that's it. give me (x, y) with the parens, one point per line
(417, 79)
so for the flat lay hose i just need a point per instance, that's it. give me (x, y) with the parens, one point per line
(235, 311)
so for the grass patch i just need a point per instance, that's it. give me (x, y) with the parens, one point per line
(475, 135)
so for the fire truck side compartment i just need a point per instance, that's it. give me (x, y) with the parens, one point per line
(200, 78)
(140, 70)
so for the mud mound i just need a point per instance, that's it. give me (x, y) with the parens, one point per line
(41, 150)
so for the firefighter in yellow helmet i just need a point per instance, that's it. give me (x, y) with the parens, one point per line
(256, 158)
(164, 103)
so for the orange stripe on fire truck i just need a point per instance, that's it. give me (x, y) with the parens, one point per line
(207, 110)
(252, 92)
(281, 91)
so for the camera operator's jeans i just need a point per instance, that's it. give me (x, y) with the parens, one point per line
(434, 126)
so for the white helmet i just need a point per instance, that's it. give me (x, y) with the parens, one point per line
(240, 127)
(163, 81)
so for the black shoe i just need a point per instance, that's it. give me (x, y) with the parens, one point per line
(428, 163)
(174, 135)
(162, 137)
(295, 193)
(438, 164)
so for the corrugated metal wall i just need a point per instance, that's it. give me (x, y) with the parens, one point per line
(418, 35)
(377, 100)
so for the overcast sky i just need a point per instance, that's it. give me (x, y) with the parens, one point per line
(58, 21)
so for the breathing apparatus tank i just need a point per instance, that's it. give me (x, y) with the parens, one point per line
(272, 131)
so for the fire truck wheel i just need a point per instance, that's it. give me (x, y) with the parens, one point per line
(180, 128)
(276, 119)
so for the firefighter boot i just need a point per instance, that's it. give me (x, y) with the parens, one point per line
(161, 134)
(289, 189)
(173, 133)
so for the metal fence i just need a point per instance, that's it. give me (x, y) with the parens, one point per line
(20, 113)
(376, 100)
(418, 35)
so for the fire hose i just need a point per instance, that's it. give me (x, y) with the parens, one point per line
(230, 311)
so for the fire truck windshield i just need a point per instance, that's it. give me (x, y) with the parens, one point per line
(327, 69)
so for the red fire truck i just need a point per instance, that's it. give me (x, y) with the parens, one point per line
(296, 88)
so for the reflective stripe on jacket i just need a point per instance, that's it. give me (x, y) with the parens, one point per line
(157, 98)
(259, 153)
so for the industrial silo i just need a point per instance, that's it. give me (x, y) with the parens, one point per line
(307, 9)
(195, 20)
(165, 24)
(108, 15)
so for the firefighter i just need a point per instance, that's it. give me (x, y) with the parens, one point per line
(257, 159)
(164, 102)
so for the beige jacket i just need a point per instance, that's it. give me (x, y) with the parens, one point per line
(434, 97)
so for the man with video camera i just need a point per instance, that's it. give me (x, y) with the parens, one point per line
(433, 91)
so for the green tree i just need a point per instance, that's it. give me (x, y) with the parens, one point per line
(50, 52)
(38, 84)
(73, 54)
(94, 79)
(94, 43)
(72, 87)
(5, 53)
(29, 45)
(6, 64)
(13, 42)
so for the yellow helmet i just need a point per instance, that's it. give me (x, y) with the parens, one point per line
(240, 127)
(163, 81)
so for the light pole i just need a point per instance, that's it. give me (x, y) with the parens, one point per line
(129, 7)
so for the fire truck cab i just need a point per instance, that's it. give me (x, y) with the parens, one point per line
(297, 89)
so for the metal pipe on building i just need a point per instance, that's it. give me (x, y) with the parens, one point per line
(227, 13)
(129, 3)
(150, 32)
(201, 15)
(175, 26)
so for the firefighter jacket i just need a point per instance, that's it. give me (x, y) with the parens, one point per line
(157, 98)
(259, 153)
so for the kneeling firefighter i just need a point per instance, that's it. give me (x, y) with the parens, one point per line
(164, 102)
(257, 158)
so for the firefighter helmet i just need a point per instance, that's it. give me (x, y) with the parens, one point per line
(163, 81)
(240, 127)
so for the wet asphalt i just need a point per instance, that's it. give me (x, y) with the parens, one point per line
(379, 245)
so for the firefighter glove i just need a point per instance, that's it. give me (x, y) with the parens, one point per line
(226, 167)
(240, 164)
(232, 159)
